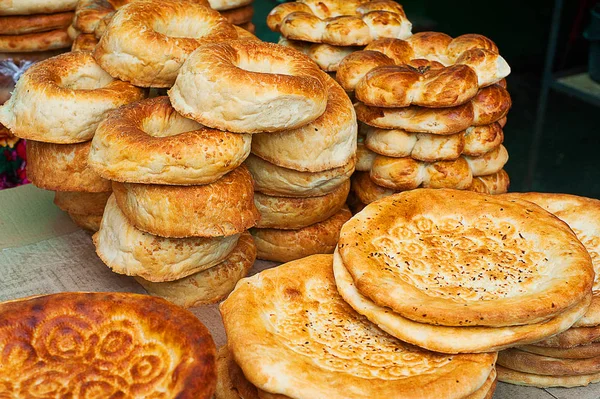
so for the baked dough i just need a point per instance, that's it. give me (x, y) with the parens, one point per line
(277, 181)
(450, 339)
(364, 156)
(21, 24)
(248, 26)
(583, 217)
(62, 99)
(239, 15)
(292, 334)
(127, 250)
(149, 142)
(296, 213)
(81, 203)
(531, 363)
(571, 338)
(33, 42)
(326, 143)
(106, 345)
(339, 22)
(84, 42)
(29, 7)
(287, 245)
(231, 383)
(146, 42)
(254, 87)
(87, 222)
(497, 183)
(222, 208)
(326, 56)
(221, 5)
(577, 352)
(446, 249)
(211, 285)
(545, 381)
(63, 167)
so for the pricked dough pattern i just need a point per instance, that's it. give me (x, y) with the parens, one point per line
(437, 258)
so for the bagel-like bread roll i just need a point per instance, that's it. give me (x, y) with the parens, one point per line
(84, 42)
(29, 7)
(127, 250)
(211, 285)
(63, 167)
(149, 142)
(490, 163)
(491, 105)
(496, 183)
(296, 213)
(20, 24)
(545, 381)
(33, 42)
(287, 245)
(147, 41)
(51, 92)
(327, 57)
(81, 203)
(364, 156)
(89, 222)
(326, 143)
(254, 87)
(277, 181)
(222, 208)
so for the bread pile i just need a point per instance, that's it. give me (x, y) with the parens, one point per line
(35, 26)
(571, 358)
(327, 31)
(57, 105)
(431, 112)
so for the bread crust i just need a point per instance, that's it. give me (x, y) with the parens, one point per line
(50, 92)
(211, 285)
(30, 7)
(287, 245)
(86, 222)
(81, 203)
(63, 167)
(296, 213)
(222, 208)
(231, 383)
(20, 24)
(33, 42)
(133, 50)
(531, 363)
(149, 142)
(127, 250)
(554, 271)
(327, 57)
(545, 381)
(84, 42)
(572, 337)
(221, 5)
(80, 342)
(239, 15)
(292, 90)
(577, 352)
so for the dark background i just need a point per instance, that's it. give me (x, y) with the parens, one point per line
(569, 159)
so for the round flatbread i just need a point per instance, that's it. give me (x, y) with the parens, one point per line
(545, 381)
(532, 363)
(577, 352)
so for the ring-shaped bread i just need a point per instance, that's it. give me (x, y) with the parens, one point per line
(147, 41)
(23, 24)
(288, 213)
(286, 245)
(222, 208)
(149, 142)
(340, 22)
(81, 203)
(277, 181)
(325, 143)
(30, 7)
(254, 87)
(35, 42)
(63, 167)
(127, 250)
(327, 57)
(63, 99)
(211, 285)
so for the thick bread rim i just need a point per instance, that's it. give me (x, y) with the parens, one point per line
(230, 380)
(20, 24)
(35, 42)
(577, 352)
(30, 7)
(532, 363)
(580, 213)
(450, 339)
(573, 337)
(327, 57)
(271, 365)
(221, 5)
(544, 381)
(84, 42)
(566, 258)
(81, 202)
(86, 222)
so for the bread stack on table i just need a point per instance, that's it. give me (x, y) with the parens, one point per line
(327, 31)
(35, 26)
(431, 112)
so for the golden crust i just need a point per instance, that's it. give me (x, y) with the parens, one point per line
(451, 339)
(339, 23)
(127, 250)
(497, 183)
(531, 363)
(146, 42)
(231, 383)
(326, 143)
(87, 222)
(545, 381)
(20, 24)
(255, 87)
(327, 57)
(577, 352)
(277, 181)
(364, 156)
(287, 245)
(81, 203)
(543, 268)
(222, 208)
(239, 15)
(50, 92)
(63, 167)
(221, 5)
(292, 334)
(149, 142)
(296, 213)
(31, 7)
(33, 42)
(583, 217)
(113, 344)
(574, 336)
(211, 285)
(84, 42)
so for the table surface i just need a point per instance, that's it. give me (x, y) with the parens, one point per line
(42, 252)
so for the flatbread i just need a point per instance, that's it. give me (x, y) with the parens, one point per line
(574, 336)
(450, 339)
(458, 258)
(21, 24)
(531, 363)
(545, 381)
(583, 217)
(44, 41)
(577, 352)
(292, 334)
